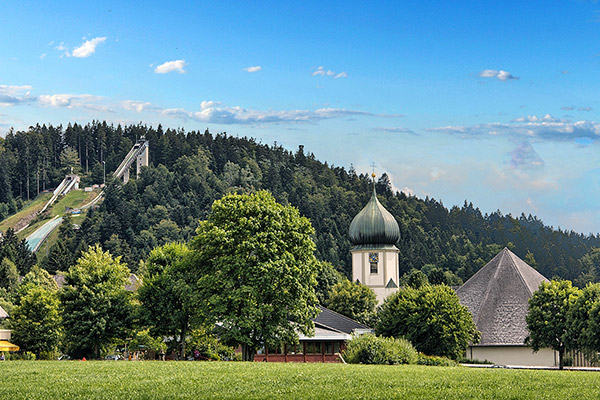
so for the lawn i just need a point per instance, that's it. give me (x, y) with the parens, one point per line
(222, 380)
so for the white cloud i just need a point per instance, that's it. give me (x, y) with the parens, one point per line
(11, 95)
(531, 126)
(253, 69)
(407, 191)
(498, 74)
(138, 106)
(42, 56)
(216, 112)
(327, 72)
(170, 66)
(87, 48)
(86, 101)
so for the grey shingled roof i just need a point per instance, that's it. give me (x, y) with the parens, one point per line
(330, 319)
(497, 296)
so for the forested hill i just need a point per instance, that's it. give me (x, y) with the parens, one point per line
(189, 170)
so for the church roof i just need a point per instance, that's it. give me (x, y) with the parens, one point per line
(498, 298)
(374, 227)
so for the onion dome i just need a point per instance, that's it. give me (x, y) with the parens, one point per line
(374, 227)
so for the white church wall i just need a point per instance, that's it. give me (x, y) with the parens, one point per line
(514, 355)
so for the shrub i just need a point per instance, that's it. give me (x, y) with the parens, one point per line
(371, 349)
(435, 361)
(202, 345)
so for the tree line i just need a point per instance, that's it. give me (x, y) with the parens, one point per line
(190, 170)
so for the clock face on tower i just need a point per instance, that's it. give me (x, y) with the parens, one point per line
(373, 257)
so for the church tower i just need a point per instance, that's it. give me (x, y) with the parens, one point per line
(374, 233)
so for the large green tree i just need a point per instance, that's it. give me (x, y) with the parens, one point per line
(431, 318)
(354, 300)
(36, 322)
(254, 258)
(96, 308)
(581, 333)
(37, 277)
(547, 319)
(166, 296)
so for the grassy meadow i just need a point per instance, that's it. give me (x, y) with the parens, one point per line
(238, 380)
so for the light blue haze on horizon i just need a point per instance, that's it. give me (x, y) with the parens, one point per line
(493, 102)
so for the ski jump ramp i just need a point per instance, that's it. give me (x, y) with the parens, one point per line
(70, 182)
(138, 154)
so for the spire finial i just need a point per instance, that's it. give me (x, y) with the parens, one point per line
(373, 176)
(373, 168)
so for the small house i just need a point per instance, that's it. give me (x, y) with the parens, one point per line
(332, 332)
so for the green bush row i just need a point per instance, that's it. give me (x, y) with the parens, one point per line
(372, 349)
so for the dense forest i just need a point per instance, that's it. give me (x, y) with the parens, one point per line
(189, 170)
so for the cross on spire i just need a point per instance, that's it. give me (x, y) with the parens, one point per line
(373, 174)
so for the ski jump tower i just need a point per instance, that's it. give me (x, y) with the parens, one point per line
(139, 155)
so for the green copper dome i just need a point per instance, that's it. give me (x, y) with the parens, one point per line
(374, 227)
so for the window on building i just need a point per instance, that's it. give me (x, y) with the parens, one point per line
(336, 347)
(373, 261)
(295, 349)
(313, 348)
(328, 348)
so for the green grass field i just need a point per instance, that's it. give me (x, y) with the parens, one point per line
(237, 380)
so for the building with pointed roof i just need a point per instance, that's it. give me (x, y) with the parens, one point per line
(498, 298)
(374, 233)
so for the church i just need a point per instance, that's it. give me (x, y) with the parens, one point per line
(497, 295)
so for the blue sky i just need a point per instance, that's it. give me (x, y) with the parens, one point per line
(494, 102)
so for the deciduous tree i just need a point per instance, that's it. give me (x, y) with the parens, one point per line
(431, 318)
(96, 308)
(166, 296)
(36, 322)
(547, 317)
(254, 258)
(354, 300)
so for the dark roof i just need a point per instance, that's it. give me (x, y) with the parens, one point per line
(134, 283)
(374, 227)
(330, 319)
(60, 280)
(497, 296)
